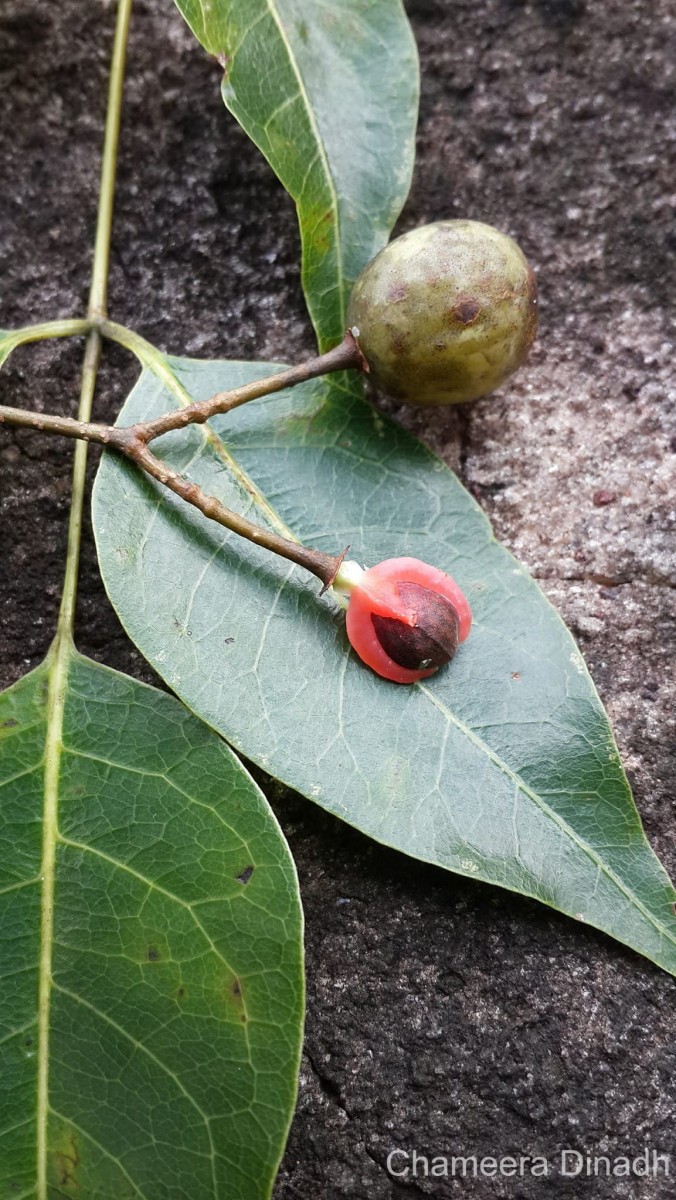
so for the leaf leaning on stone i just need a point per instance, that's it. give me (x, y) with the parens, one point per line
(502, 767)
(163, 1059)
(329, 94)
(6, 345)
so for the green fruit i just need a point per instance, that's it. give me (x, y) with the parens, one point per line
(445, 313)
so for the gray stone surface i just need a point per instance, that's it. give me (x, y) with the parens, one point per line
(442, 1015)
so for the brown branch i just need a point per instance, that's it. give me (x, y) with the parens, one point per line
(345, 357)
(68, 427)
(324, 566)
(132, 441)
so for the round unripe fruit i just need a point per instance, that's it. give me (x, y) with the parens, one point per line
(445, 313)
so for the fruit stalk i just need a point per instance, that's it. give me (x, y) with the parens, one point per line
(324, 566)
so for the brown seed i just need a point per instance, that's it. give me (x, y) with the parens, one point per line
(431, 642)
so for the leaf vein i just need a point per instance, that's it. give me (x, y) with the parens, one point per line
(550, 812)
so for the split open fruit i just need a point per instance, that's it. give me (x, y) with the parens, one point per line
(406, 619)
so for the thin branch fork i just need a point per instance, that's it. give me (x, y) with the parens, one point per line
(133, 442)
(347, 356)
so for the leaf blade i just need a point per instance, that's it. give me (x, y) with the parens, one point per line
(334, 113)
(502, 768)
(7, 344)
(169, 871)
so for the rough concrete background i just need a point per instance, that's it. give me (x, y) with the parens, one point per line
(442, 1015)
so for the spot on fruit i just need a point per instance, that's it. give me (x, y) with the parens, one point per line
(397, 292)
(466, 311)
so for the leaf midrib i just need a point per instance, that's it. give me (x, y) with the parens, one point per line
(323, 157)
(56, 696)
(162, 371)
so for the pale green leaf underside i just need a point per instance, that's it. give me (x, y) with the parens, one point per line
(176, 1008)
(6, 345)
(502, 767)
(329, 94)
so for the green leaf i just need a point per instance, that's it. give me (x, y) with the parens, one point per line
(162, 1060)
(7, 344)
(329, 94)
(501, 767)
